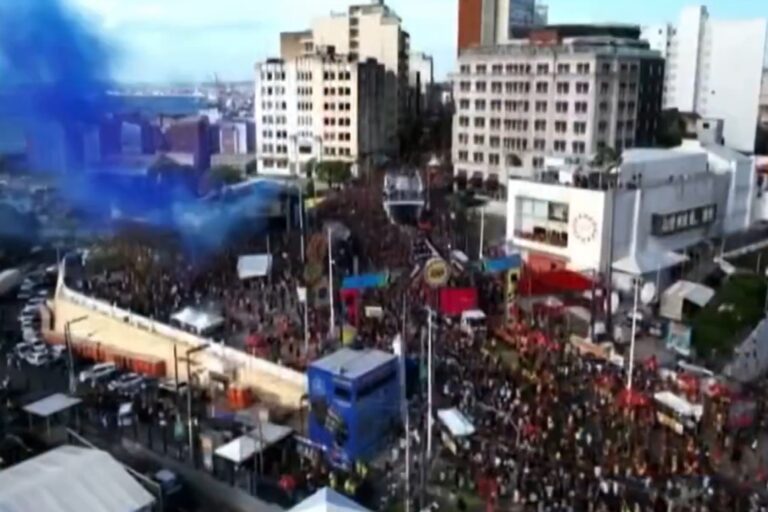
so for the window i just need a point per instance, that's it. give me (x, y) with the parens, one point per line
(581, 107)
(563, 68)
(542, 69)
(495, 123)
(481, 69)
(480, 105)
(496, 105)
(494, 142)
(465, 86)
(463, 104)
(540, 125)
(538, 162)
(580, 127)
(607, 67)
(478, 140)
(559, 146)
(508, 124)
(480, 86)
(561, 126)
(539, 144)
(563, 87)
(561, 107)
(582, 87)
(463, 138)
(463, 121)
(511, 160)
(479, 122)
(578, 147)
(493, 159)
(541, 106)
(478, 157)
(464, 69)
(509, 87)
(605, 87)
(582, 69)
(497, 69)
(509, 105)
(542, 87)
(602, 126)
(603, 106)
(463, 156)
(496, 87)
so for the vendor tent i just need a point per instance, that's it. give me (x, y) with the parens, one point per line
(674, 298)
(328, 500)
(71, 479)
(51, 405)
(257, 440)
(254, 265)
(456, 423)
(198, 320)
(647, 262)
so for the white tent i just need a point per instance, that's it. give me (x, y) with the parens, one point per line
(328, 500)
(254, 265)
(456, 423)
(197, 320)
(675, 296)
(244, 447)
(71, 479)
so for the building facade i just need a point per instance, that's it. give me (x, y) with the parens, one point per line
(764, 100)
(641, 218)
(552, 95)
(490, 22)
(421, 83)
(369, 31)
(714, 69)
(322, 107)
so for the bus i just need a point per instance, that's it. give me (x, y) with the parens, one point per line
(676, 412)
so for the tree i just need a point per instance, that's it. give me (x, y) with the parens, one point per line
(334, 171)
(606, 157)
(671, 129)
(252, 168)
(223, 175)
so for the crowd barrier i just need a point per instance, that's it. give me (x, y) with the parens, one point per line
(227, 357)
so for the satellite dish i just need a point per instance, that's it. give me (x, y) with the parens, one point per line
(615, 301)
(648, 293)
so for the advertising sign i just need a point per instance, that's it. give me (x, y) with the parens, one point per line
(436, 272)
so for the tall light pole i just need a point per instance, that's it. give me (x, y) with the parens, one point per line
(188, 361)
(482, 233)
(633, 336)
(330, 280)
(70, 360)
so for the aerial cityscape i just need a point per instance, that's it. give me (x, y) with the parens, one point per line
(378, 255)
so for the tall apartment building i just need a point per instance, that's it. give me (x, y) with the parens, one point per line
(567, 91)
(714, 69)
(490, 22)
(323, 107)
(421, 83)
(368, 31)
(764, 99)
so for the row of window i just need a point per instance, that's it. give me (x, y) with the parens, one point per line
(341, 75)
(332, 121)
(265, 120)
(581, 107)
(273, 75)
(544, 68)
(279, 134)
(331, 151)
(341, 136)
(304, 91)
(277, 105)
(343, 107)
(342, 91)
(542, 87)
(280, 149)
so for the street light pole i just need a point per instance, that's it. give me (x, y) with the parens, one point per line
(70, 360)
(188, 361)
(633, 337)
(330, 281)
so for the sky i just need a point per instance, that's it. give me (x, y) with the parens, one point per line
(193, 40)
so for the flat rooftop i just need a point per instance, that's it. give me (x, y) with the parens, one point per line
(353, 364)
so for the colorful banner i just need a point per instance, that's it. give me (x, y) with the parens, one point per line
(455, 301)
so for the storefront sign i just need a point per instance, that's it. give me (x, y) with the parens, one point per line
(664, 224)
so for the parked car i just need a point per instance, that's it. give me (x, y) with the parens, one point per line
(97, 372)
(127, 383)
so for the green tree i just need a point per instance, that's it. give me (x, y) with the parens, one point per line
(223, 175)
(334, 171)
(252, 168)
(671, 129)
(606, 157)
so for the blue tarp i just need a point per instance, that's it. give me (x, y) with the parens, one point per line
(497, 265)
(364, 281)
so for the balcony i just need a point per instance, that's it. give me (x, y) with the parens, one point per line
(541, 235)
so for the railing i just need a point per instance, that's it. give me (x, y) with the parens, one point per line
(226, 355)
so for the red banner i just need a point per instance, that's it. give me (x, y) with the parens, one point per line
(351, 300)
(454, 301)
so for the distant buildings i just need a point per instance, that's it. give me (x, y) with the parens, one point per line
(368, 31)
(714, 69)
(323, 106)
(490, 22)
(423, 95)
(565, 91)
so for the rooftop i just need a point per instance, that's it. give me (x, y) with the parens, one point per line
(353, 364)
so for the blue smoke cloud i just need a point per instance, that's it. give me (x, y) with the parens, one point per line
(55, 71)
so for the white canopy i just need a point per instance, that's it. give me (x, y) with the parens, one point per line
(244, 447)
(673, 298)
(71, 479)
(51, 405)
(328, 500)
(198, 320)
(254, 265)
(456, 423)
(679, 404)
(647, 262)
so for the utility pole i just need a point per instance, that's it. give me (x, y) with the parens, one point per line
(330, 281)
(72, 381)
(188, 361)
(301, 224)
(482, 233)
(633, 337)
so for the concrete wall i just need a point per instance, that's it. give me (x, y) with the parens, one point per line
(113, 327)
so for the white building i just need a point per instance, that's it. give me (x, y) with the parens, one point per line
(421, 83)
(714, 68)
(321, 107)
(663, 203)
(368, 31)
(568, 91)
